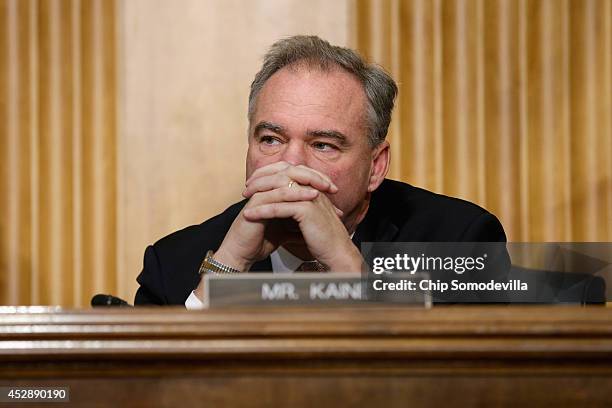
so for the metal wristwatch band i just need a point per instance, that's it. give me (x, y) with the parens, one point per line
(209, 265)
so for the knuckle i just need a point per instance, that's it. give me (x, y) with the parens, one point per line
(255, 198)
(309, 190)
(254, 184)
(285, 193)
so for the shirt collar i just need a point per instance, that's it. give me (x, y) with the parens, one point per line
(284, 261)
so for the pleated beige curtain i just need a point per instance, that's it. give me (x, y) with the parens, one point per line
(507, 103)
(57, 180)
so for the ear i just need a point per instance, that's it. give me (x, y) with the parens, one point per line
(381, 158)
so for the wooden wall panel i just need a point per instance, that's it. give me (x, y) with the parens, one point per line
(505, 103)
(59, 169)
(121, 121)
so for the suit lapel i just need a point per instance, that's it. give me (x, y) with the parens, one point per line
(377, 225)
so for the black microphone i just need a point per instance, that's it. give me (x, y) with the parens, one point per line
(108, 300)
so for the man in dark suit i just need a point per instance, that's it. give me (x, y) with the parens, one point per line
(315, 182)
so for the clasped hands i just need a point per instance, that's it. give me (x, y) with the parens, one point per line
(288, 206)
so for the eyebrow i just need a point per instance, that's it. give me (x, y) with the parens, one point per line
(332, 134)
(339, 137)
(269, 126)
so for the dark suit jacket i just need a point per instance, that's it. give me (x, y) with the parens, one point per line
(398, 213)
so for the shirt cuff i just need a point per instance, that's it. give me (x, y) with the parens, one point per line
(193, 302)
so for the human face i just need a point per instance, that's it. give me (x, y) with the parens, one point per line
(308, 117)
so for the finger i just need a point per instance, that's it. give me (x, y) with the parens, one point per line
(302, 173)
(323, 175)
(273, 211)
(267, 183)
(284, 194)
(267, 170)
(303, 176)
(299, 173)
(278, 210)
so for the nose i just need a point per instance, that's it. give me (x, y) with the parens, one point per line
(294, 153)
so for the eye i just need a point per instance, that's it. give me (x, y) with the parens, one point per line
(269, 140)
(322, 146)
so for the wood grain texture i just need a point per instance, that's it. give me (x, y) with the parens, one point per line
(504, 103)
(542, 332)
(121, 122)
(475, 356)
(59, 180)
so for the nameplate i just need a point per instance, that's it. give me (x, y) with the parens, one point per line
(300, 289)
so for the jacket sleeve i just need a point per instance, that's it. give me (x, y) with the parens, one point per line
(485, 228)
(151, 290)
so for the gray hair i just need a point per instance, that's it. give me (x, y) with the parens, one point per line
(379, 87)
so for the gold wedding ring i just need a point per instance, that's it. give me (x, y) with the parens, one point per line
(291, 183)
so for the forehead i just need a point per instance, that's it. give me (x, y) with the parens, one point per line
(302, 96)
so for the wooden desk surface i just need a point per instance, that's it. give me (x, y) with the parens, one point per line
(451, 356)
